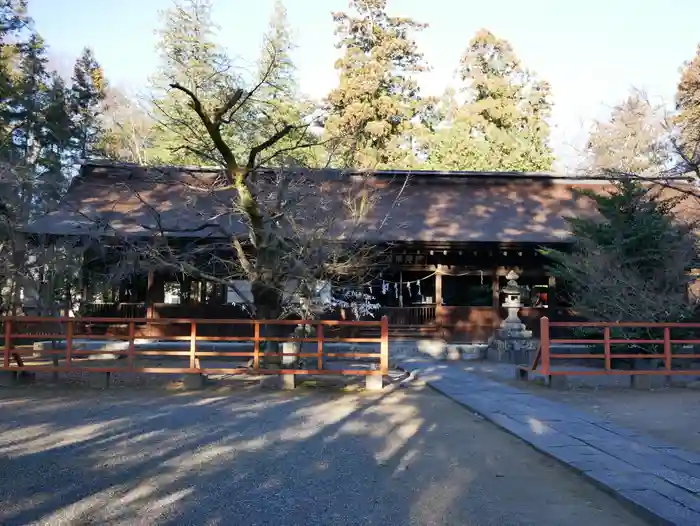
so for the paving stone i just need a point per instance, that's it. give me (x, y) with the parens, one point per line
(677, 478)
(622, 431)
(539, 436)
(587, 458)
(586, 431)
(628, 480)
(601, 463)
(660, 506)
(679, 464)
(688, 456)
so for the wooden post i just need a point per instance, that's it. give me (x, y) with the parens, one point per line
(319, 336)
(69, 343)
(667, 348)
(256, 345)
(132, 345)
(552, 296)
(606, 348)
(155, 293)
(384, 346)
(496, 292)
(193, 345)
(149, 294)
(8, 342)
(438, 288)
(544, 342)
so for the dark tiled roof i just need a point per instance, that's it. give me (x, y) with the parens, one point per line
(408, 206)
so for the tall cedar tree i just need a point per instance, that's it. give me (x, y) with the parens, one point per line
(631, 262)
(688, 106)
(278, 100)
(372, 114)
(191, 58)
(631, 141)
(13, 18)
(498, 119)
(87, 95)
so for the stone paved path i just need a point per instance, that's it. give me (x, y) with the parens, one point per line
(659, 480)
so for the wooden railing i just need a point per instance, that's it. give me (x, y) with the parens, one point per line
(545, 358)
(75, 334)
(413, 315)
(114, 310)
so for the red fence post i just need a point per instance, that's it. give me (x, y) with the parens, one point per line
(69, 344)
(544, 343)
(667, 348)
(319, 350)
(606, 348)
(384, 346)
(193, 345)
(256, 345)
(8, 342)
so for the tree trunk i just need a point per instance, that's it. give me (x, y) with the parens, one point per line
(268, 306)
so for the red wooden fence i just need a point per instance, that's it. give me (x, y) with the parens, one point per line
(18, 331)
(545, 358)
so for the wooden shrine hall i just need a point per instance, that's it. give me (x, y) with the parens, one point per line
(451, 238)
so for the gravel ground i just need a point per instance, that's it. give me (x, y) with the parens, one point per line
(407, 457)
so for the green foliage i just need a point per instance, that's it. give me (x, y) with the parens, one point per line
(278, 101)
(87, 95)
(372, 114)
(189, 56)
(497, 119)
(630, 262)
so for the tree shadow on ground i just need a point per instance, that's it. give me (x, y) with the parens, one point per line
(257, 458)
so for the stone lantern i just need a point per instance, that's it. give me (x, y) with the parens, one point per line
(512, 293)
(512, 342)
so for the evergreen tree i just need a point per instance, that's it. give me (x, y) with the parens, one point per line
(55, 139)
(688, 106)
(497, 120)
(190, 57)
(630, 263)
(87, 96)
(278, 101)
(13, 18)
(30, 98)
(373, 113)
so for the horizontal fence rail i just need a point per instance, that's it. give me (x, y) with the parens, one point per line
(30, 343)
(662, 354)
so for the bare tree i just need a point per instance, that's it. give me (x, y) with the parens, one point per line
(632, 140)
(37, 275)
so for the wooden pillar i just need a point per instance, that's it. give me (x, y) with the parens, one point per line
(438, 286)
(186, 289)
(552, 306)
(496, 290)
(155, 293)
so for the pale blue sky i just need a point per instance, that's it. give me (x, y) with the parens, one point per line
(590, 51)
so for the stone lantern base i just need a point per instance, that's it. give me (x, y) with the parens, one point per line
(513, 343)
